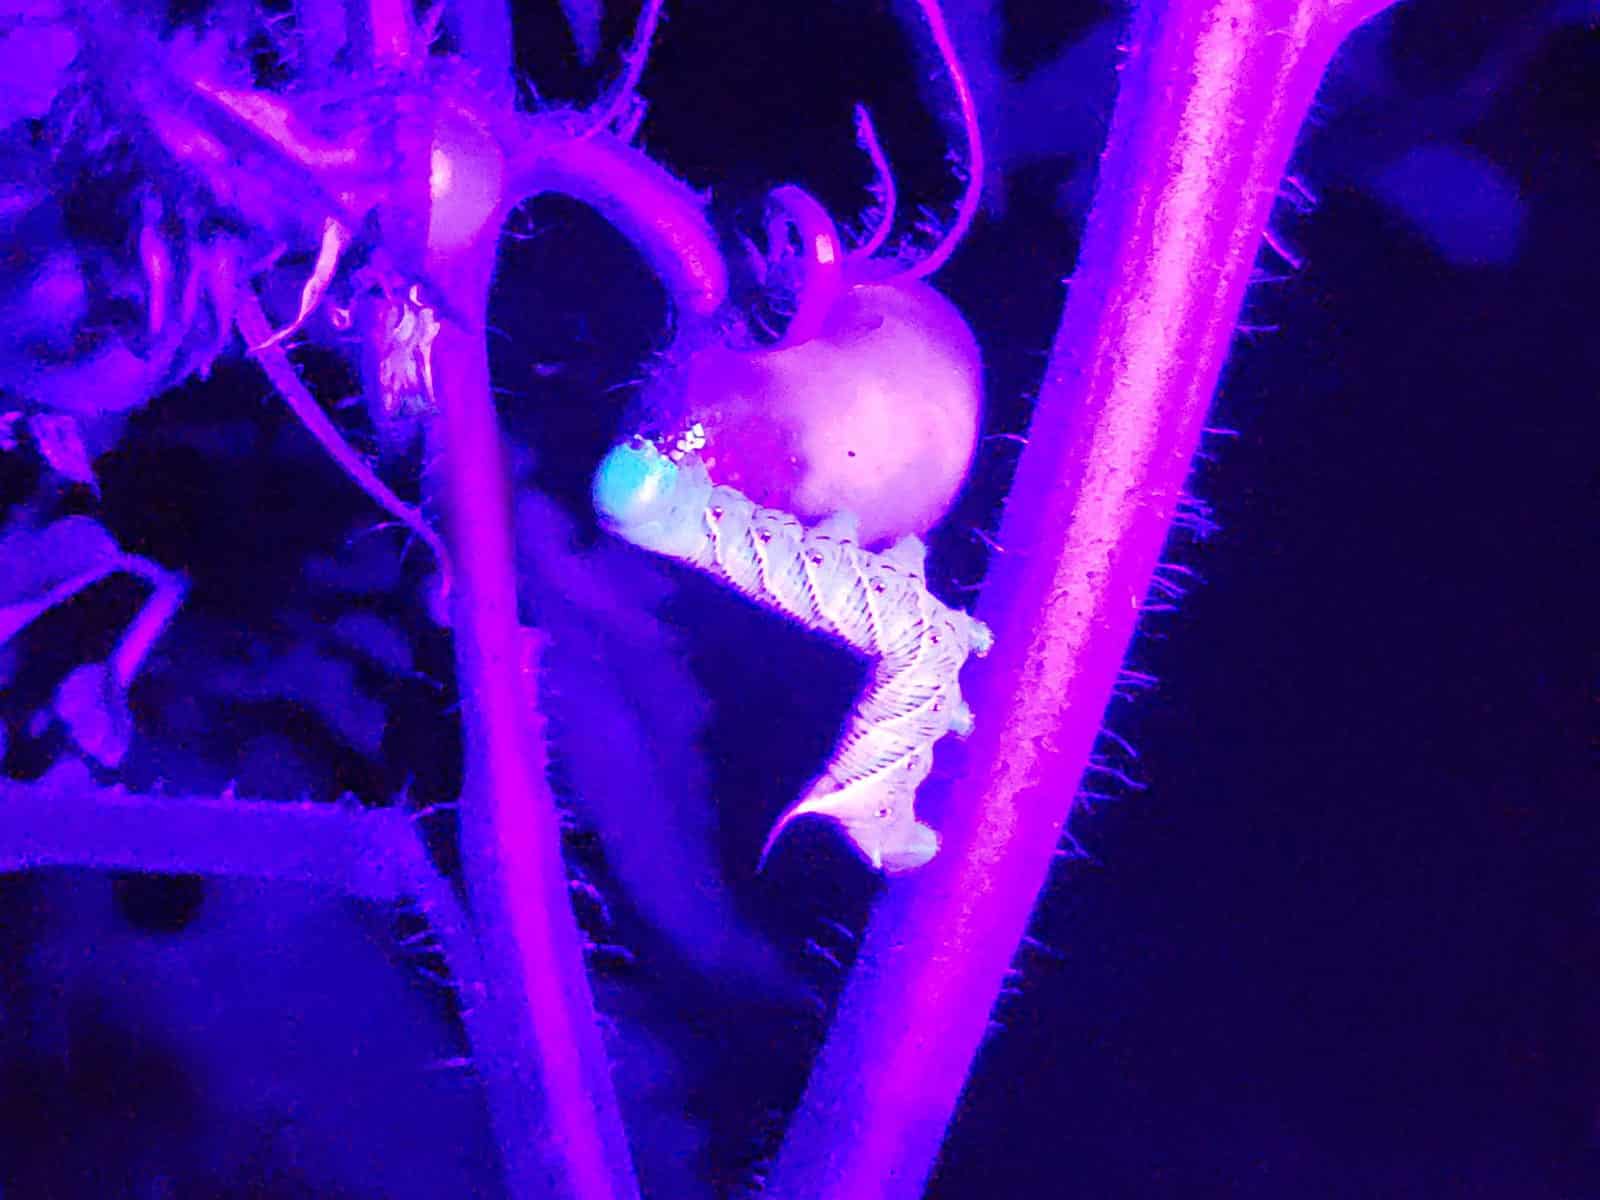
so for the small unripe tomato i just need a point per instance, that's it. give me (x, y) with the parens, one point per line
(876, 416)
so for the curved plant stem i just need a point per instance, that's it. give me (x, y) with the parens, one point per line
(883, 188)
(1213, 94)
(660, 214)
(257, 331)
(166, 596)
(944, 52)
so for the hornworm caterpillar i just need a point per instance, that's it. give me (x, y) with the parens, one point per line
(877, 603)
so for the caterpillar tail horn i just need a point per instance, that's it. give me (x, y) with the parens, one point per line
(893, 845)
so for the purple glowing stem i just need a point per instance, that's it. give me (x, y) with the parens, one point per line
(867, 139)
(548, 1077)
(583, 21)
(551, 1096)
(968, 113)
(166, 596)
(820, 266)
(614, 105)
(1213, 95)
(393, 32)
(651, 208)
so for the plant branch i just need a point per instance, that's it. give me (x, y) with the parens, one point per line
(60, 822)
(552, 1098)
(1213, 94)
(257, 332)
(166, 595)
(661, 215)
(614, 103)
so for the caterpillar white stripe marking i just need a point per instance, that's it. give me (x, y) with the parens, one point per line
(877, 603)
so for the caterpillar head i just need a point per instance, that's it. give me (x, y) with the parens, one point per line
(649, 499)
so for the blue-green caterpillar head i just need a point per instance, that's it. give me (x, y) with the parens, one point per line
(651, 500)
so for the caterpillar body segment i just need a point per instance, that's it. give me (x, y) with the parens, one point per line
(877, 603)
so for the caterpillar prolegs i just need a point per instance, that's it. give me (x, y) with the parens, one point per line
(877, 603)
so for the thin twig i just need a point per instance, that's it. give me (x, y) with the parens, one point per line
(615, 104)
(275, 362)
(883, 186)
(967, 112)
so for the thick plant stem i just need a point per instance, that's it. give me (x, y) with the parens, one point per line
(1213, 94)
(552, 1100)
